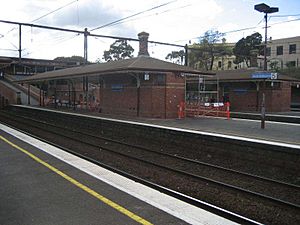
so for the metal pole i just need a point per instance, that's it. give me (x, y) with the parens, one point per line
(263, 112)
(186, 59)
(20, 43)
(265, 45)
(263, 109)
(86, 33)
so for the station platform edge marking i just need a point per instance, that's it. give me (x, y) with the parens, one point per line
(182, 210)
(205, 133)
(80, 185)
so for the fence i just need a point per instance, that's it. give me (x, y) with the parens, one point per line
(207, 109)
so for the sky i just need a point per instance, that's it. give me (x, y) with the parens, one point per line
(173, 21)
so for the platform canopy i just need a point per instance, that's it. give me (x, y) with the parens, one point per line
(140, 64)
(250, 75)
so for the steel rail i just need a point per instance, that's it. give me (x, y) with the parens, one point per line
(242, 190)
(196, 202)
(176, 156)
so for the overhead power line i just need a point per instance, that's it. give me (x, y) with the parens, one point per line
(49, 13)
(127, 17)
(125, 20)
(154, 14)
(242, 29)
(84, 32)
(285, 15)
(285, 21)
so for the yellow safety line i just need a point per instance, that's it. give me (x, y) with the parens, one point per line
(81, 186)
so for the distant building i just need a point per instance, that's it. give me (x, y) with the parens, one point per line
(27, 66)
(282, 53)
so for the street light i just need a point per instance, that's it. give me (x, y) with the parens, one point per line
(265, 9)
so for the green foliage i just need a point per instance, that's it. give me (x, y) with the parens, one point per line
(120, 49)
(73, 58)
(202, 54)
(176, 56)
(291, 71)
(245, 46)
(274, 66)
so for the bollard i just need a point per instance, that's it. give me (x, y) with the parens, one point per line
(181, 110)
(228, 110)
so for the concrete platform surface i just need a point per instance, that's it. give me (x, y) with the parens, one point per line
(41, 184)
(274, 131)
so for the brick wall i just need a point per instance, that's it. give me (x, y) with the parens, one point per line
(243, 97)
(123, 102)
(280, 98)
(157, 97)
(8, 93)
(295, 95)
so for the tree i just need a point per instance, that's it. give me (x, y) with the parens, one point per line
(204, 52)
(176, 56)
(73, 58)
(243, 48)
(120, 49)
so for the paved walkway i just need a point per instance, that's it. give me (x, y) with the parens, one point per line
(274, 131)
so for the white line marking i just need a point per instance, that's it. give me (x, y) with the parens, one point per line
(295, 146)
(175, 207)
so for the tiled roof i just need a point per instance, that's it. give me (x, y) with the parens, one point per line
(138, 64)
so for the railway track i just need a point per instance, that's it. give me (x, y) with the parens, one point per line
(263, 192)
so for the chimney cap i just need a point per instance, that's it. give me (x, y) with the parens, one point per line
(143, 33)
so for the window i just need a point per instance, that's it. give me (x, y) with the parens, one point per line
(268, 51)
(279, 50)
(229, 64)
(291, 64)
(292, 49)
(219, 64)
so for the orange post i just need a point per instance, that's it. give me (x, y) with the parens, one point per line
(181, 110)
(228, 110)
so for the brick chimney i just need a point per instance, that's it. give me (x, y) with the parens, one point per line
(143, 37)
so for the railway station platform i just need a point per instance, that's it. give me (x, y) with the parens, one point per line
(274, 132)
(41, 184)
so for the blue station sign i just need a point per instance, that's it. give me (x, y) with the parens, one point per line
(264, 75)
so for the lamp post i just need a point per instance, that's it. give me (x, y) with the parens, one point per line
(266, 10)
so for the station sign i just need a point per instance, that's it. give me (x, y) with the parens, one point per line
(264, 75)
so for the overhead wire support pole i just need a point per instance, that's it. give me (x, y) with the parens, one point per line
(20, 43)
(265, 9)
(41, 26)
(186, 55)
(89, 34)
(266, 39)
(85, 51)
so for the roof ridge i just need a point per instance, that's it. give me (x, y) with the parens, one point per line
(134, 61)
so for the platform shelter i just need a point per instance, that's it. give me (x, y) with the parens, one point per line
(142, 86)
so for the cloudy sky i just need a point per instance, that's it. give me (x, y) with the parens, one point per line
(179, 22)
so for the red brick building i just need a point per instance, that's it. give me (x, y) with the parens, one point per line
(244, 90)
(141, 86)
